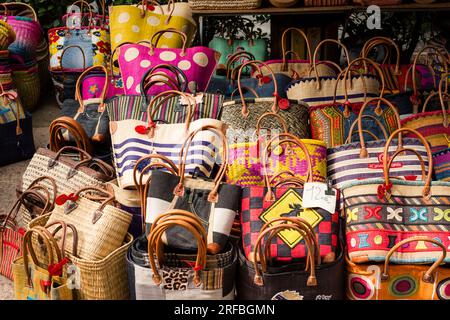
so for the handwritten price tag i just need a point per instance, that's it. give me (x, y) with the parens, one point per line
(319, 195)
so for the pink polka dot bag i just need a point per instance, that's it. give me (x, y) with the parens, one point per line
(198, 63)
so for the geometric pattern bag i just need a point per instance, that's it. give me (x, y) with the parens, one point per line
(319, 281)
(245, 162)
(383, 211)
(213, 202)
(363, 160)
(262, 204)
(400, 282)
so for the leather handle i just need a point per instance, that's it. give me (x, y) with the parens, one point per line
(273, 115)
(283, 45)
(158, 35)
(415, 152)
(251, 90)
(90, 12)
(61, 225)
(428, 275)
(52, 182)
(442, 96)
(376, 41)
(234, 58)
(79, 98)
(168, 14)
(295, 182)
(57, 140)
(316, 51)
(280, 174)
(180, 76)
(81, 152)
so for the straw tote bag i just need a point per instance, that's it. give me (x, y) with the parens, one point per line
(331, 122)
(320, 90)
(400, 282)
(35, 280)
(364, 159)
(69, 175)
(215, 203)
(195, 281)
(132, 23)
(132, 139)
(433, 125)
(383, 211)
(262, 204)
(242, 115)
(101, 226)
(441, 162)
(198, 63)
(318, 281)
(297, 68)
(245, 157)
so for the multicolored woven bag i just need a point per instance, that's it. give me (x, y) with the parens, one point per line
(441, 163)
(363, 160)
(383, 211)
(401, 282)
(262, 204)
(246, 163)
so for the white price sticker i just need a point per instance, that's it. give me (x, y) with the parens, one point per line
(319, 195)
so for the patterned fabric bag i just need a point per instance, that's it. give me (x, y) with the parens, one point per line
(318, 281)
(364, 159)
(262, 204)
(198, 63)
(381, 212)
(242, 115)
(133, 139)
(245, 158)
(321, 90)
(400, 282)
(213, 202)
(441, 163)
(298, 68)
(433, 125)
(331, 122)
(159, 279)
(132, 23)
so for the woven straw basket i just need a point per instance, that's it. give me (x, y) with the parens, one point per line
(28, 87)
(224, 4)
(104, 279)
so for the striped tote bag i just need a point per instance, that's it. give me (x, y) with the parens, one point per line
(364, 159)
(133, 139)
(441, 163)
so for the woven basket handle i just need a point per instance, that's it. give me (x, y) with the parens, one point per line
(378, 122)
(61, 225)
(426, 193)
(428, 275)
(157, 233)
(284, 52)
(57, 140)
(79, 98)
(158, 35)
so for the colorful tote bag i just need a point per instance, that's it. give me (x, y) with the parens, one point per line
(433, 125)
(441, 163)
(242, 115)
(213, 202)
(332, 122)
(198, 63)
(298, 68)
(383, 211)
(262, 204)
(318, 281)
(164, 279)
(364, 159)
(317, 90)
(132, 23)
(245, 166)
(36, 280)
(400, 282)
(133, 139)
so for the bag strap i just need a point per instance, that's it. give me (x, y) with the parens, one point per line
(376, 41)
(61, 225)
(79, 98)
(170, 8)
(23, 13)
(235, 57)
(181, 78)
(284, 52)
(57, 140)
(158, 35)
(90, 12)
(442, 96)
(279, 175)
(415, 152)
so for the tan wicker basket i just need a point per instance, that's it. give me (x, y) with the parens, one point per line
(224, 4)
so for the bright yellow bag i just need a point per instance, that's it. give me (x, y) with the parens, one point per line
(134, 23)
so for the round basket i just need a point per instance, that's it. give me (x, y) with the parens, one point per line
(28, 86)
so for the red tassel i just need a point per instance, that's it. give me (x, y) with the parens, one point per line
(150, 7)
(55, 269)
(62, 199)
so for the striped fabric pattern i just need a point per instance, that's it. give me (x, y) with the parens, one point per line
(430, 125)
(441, 164)
(11, 247)
(129, 146)
(135, 107)
(345, 163)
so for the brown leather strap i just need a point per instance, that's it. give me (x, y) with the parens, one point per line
(401, 151)
(284, 52)
(78, 96)
(57, 140)
(158, 35)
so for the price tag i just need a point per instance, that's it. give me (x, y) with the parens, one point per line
(319, 195)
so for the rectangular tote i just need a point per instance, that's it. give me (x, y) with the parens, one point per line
(198, 63)
(133, 139)
(35, 280)
(364, 159)
(101, 226)
(263, 281)
(245, 166)
(158, 279)
(383, 211)
(132, 23)
(262, 204)
(242, 115)
(390, 281)
(318, 90)
(215, 203)
(441, 163)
